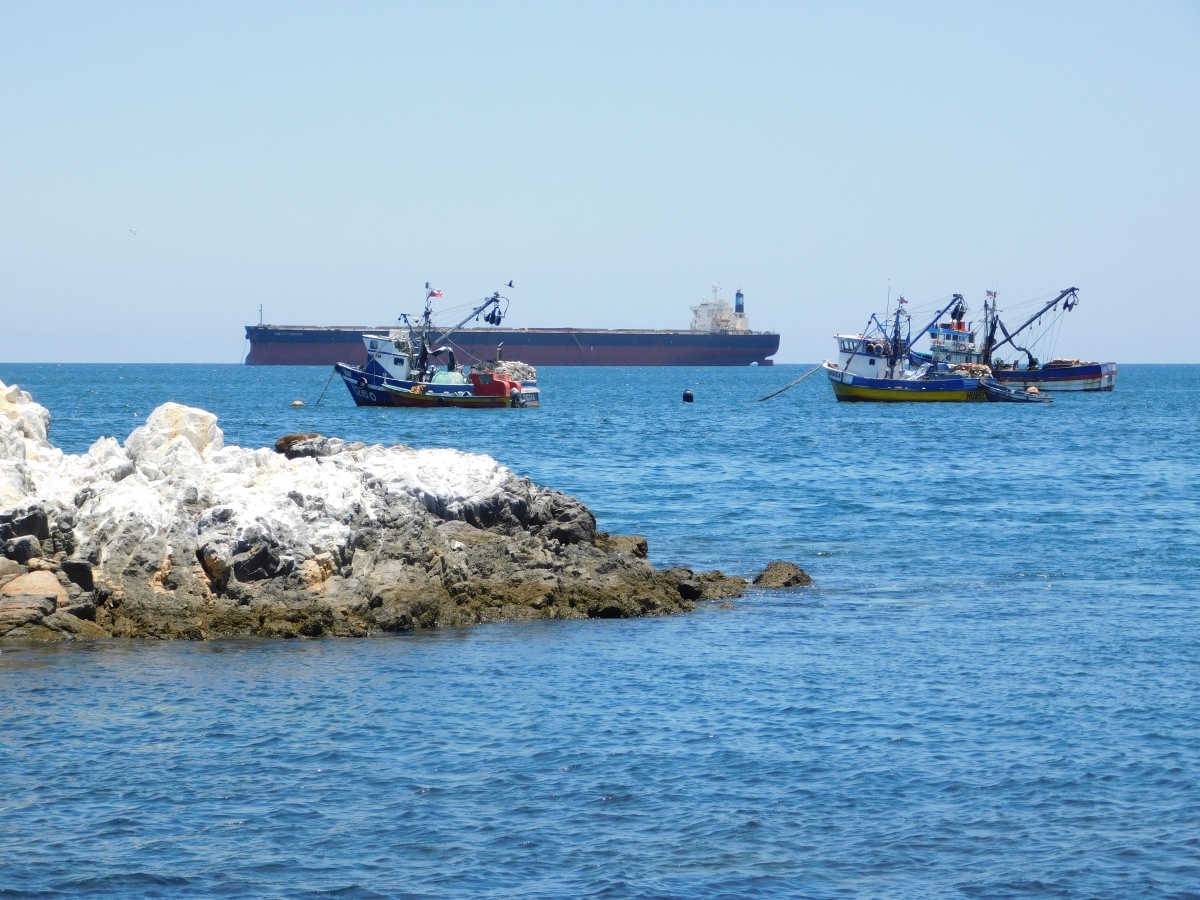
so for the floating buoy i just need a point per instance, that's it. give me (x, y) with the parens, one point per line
(687, 397)
(297, 403)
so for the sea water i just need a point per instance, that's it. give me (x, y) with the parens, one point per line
(992, 689)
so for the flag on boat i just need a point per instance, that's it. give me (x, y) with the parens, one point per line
(435, 293)
(902, 300)
(991, 295)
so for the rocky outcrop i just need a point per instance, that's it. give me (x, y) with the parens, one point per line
(781, 574)
(175, 535)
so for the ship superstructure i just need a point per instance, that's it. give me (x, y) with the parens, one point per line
(716, 316)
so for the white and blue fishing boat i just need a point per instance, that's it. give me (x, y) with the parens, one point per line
(1056, 375)
(880, 365)
(405, 368)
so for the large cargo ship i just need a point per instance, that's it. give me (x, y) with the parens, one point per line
(720, 335)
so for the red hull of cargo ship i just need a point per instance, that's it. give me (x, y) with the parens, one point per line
(301, 346)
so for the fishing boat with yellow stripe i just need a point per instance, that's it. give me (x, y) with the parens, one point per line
(879, 365)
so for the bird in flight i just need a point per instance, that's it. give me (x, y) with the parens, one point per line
(510, 283)
(133, 231)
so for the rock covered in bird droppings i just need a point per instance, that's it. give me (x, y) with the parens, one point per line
(176, 535)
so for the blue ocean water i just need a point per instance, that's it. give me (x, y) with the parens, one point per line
(992, 689)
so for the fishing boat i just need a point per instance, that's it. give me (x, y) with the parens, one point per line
(1059, 374)
(879, 364)
(406, 367)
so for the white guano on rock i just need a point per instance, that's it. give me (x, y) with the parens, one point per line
(175, 534)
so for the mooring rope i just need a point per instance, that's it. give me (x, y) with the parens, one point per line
(793, 384)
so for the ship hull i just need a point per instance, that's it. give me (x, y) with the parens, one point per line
(1091, 377)
(300, 346)
(850, 388)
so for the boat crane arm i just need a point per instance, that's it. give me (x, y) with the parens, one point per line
(1070, 295)
(1008, 338)
(941, 312)
(494, 299)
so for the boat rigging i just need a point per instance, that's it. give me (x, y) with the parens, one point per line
(1069, 300)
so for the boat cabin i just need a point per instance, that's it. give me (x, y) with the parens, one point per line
(954, 343)
(388, 357)
(863, 356)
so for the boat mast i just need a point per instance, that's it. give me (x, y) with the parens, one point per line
(894, 347)
(422, 344)
(991, 318)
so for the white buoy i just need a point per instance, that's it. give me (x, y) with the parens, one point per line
(297, 403)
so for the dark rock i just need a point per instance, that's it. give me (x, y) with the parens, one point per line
(714, 585)
(717, 585)
(33, 522)
(575, 525)
(23, 549)
(82, 607)
(258, 562)
(71, 626)
(393, 617)
(781, 574)
(24, 609)
(285, 443)
(79, 573)
(630, 544)
(294, 446)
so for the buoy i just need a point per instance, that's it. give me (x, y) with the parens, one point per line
(297, 403)
(687, 397)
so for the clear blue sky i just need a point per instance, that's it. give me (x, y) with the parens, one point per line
(326, 160)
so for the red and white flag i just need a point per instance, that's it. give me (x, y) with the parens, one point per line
(434, 292)
(902, 300)
(991, 295)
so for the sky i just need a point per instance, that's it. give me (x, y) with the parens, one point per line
(614, 160)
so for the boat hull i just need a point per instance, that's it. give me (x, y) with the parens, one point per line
(1093, 377)
(852, 388)
(414, 400)
(272, 345)
(369, 389)
(999, 393)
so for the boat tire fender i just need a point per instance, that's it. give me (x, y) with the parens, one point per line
(362, 384)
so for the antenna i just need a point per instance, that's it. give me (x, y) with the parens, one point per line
(260, 314)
